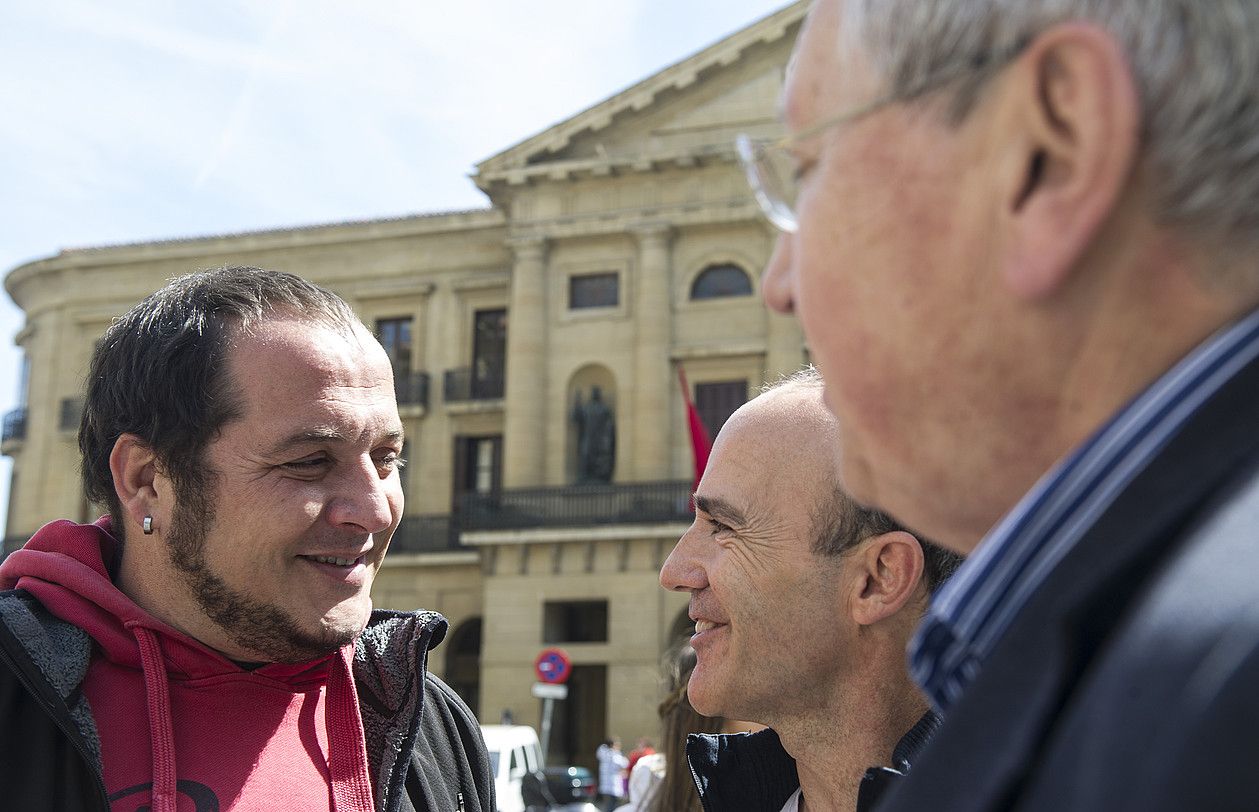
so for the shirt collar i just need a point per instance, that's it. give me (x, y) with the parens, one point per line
(971, 612)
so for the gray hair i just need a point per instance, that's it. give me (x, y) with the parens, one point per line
(1195, 64)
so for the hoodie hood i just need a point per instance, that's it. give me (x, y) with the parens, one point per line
(67, 567)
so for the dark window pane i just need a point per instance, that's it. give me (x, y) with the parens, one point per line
(395, 336)
(721, 281)
(478, 465)
(593, 290)
(575, 622)
(489, 353)
(716, 401)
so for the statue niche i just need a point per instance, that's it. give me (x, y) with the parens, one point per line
(596, 438)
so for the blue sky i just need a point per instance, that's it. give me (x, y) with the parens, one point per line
(145, 119)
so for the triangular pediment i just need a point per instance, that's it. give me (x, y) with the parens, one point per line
(678, 114)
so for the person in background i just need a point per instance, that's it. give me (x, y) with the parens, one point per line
(661, 782)
(643, 748)
(612, 765)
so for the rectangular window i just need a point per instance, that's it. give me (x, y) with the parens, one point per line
(395, 336)
(575, 622)
(489, 353)
(716, 401)
(478, 465)
(594, 290)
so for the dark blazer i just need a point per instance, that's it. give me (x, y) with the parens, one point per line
(1130, 681)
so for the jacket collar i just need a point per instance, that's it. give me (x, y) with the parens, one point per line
(752, 771)
(993, 733)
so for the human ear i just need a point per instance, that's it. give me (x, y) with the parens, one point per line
(1071, 111)
(137, 481)
(890, 570)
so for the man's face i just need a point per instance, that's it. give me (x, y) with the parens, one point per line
(889, 274)
(769, 631)
(279, 551)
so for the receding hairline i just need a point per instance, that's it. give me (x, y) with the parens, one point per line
(793, 411)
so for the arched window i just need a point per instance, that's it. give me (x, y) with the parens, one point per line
(721, 281)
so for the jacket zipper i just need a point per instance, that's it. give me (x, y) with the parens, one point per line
(62, 721)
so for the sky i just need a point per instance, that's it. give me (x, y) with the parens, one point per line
(137, 120)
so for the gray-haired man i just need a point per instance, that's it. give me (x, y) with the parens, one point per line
(1023, 242)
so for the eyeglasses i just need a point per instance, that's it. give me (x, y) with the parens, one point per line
(771, 168)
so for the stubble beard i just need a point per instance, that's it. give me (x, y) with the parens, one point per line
(253, 625)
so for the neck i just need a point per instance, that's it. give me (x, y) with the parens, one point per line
(841, 739)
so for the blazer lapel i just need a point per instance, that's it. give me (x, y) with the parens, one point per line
(991, 737)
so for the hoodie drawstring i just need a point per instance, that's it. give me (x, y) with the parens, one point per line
(161, 728)
(347, 745)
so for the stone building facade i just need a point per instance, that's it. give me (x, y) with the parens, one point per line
(620, 245)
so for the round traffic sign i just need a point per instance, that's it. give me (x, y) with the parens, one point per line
(553, 665)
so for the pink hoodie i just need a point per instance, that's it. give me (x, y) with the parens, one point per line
(181, 726)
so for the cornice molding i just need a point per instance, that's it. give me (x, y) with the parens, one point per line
(641, 96)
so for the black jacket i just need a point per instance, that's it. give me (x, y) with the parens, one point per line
(424, 747)
(751, 772)
(1130, 679)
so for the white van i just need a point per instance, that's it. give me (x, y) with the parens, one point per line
(514, 750)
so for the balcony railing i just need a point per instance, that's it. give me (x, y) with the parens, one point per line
(462, 384)
(411, 388)
(14, 426)
(425, 534)
(577, 506)
(71, 414)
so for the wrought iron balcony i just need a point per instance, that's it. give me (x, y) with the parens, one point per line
(463, 384)
(71, 414)
(411, 388)
(425, 534)
(577, 506)
(14, 427)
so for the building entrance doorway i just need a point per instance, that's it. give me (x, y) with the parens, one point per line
(579, 723)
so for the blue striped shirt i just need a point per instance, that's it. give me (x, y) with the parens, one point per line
(973, 610)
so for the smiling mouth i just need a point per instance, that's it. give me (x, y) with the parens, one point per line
(702, 626)
(336, 562)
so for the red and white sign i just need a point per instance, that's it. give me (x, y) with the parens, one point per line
(553, 666)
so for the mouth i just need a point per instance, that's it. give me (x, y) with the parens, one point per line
(350, 571)
(702, 626)
(336, 562)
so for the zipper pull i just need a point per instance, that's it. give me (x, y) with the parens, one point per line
(459, 800)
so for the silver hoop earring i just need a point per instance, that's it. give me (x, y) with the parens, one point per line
(148, 525)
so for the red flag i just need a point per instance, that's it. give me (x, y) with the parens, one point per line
(700, 444)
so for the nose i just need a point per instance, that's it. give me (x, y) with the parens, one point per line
(366, 501)
(684, 569)
(776, 281)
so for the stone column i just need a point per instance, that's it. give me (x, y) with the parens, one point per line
(524, 419)
(784, 345)
(653, 377)
(784, 340)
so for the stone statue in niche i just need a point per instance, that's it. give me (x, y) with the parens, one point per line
(596, 438)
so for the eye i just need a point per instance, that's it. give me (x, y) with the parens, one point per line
(308, 466)
(719, 528)
(390, 461)
(800, 170)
